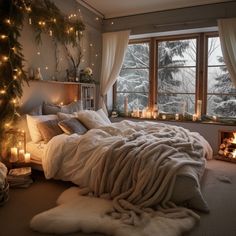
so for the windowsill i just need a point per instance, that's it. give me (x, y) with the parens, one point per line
(174, 121)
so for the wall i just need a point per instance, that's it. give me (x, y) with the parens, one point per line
(170, 20)
(91, 45)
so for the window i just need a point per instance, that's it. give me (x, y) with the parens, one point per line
(221, 94)
(176, 75)
(174, 72)
(133, 81)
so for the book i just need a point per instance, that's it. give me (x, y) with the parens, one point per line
(23, 171)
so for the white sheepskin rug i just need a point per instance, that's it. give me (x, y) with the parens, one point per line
(89, 214)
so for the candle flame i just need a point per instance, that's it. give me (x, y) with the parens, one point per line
(234, 138)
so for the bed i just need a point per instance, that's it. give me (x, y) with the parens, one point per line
(136, 163)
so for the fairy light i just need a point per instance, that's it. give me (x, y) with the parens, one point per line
(3, 91)
(50, 32)
(5, 58)
(14, 49)
(54, 20)
(38, 53)
(30, 21)
(14, 77)
(97, 18)
(96, 55)
(46, 67)
(112, 23)
(3, 36)
(8, 21)
(90, 44)
(14, 101)
(28, 9)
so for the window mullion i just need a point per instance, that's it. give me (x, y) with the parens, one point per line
(152, 74)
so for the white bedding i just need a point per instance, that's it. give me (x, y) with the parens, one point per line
(82, 160)
(36, 150)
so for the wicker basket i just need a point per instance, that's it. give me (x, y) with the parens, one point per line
(4, 194)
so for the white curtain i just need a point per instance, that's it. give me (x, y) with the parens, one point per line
(114, 45)
(227, 33)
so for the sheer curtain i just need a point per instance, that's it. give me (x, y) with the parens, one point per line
(227, 33)
(114, 46)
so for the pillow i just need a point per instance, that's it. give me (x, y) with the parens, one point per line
(72, 107)
(186, 192)
(104, 116)
(90, 119)
(49, 129)
(32, 122)
(49, 108)
(72, 125)
(64, 116)
(36, 111)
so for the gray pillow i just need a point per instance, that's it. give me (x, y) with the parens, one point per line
(72, 125)
(49, 108)
(48, 129)
(72, 107)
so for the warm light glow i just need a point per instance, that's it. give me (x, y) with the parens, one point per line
(234, 153)
(28, 9)
(38, 53)
(234, 138)
(2, 91)
(46, 67)
(3, 36)
(4, 58)
(8, 21)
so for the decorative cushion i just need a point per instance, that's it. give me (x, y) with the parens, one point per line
(49, 108)
(32, 122)
(72, 107)
(72, 125)
(104, 116)
(64, 116)
(49, 129)
(91, 119)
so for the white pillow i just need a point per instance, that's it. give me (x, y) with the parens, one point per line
(91, 119)
(104, 116)
(64, 116)
(32, 122)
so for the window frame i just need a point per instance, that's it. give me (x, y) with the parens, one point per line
(201, 91)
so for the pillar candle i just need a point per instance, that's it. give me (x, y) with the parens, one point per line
(194, 117)
(163, 117)
(14, 154)
(199, 109)
(21, 155)
(176, 116)
(126, 106)
(27, 157)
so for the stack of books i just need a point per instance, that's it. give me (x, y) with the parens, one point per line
(20, 177)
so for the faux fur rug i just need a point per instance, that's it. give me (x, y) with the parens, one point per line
(88, 214)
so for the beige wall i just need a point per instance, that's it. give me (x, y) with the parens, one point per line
(92, 36)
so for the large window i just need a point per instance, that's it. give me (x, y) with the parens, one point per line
(221, 94)
(176, 77)
(133, 82)
(175, 72)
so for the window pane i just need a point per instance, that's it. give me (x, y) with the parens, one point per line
(177, 80)
(137, 56)
(177, 53)
(133, 80)
(224, 106)
(215, 56)
(134, 100)
(219, 80)
(177, 103)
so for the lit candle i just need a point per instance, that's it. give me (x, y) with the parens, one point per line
(14, 154)
(163, 117)
(149, 114)
(154, 114)
(194, 117)
(126, 106)
(144, 113)
(199, 109)
(214, 118)
(176, 116)
(27, 157)
(30, 21)
(21, 155)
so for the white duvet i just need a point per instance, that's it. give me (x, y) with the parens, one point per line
(137, 164)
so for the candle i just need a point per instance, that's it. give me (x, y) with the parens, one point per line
(154, 114)
(30, 21)
(194, 117)
(163, 117)
(149, 114)
(176, 116)
(126, 106)
(214, 118)
(199, 109)
(21, 155)
(14, 154)
(144, 113)
(27, 157)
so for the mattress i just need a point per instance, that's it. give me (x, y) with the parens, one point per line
(36, 150)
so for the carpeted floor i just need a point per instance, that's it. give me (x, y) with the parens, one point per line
(15, 215)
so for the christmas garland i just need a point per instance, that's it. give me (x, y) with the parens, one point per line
(45, 17)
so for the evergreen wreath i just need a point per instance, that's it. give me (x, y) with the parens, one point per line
(45, 17)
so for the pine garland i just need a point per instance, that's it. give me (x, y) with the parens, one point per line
(45, 17)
